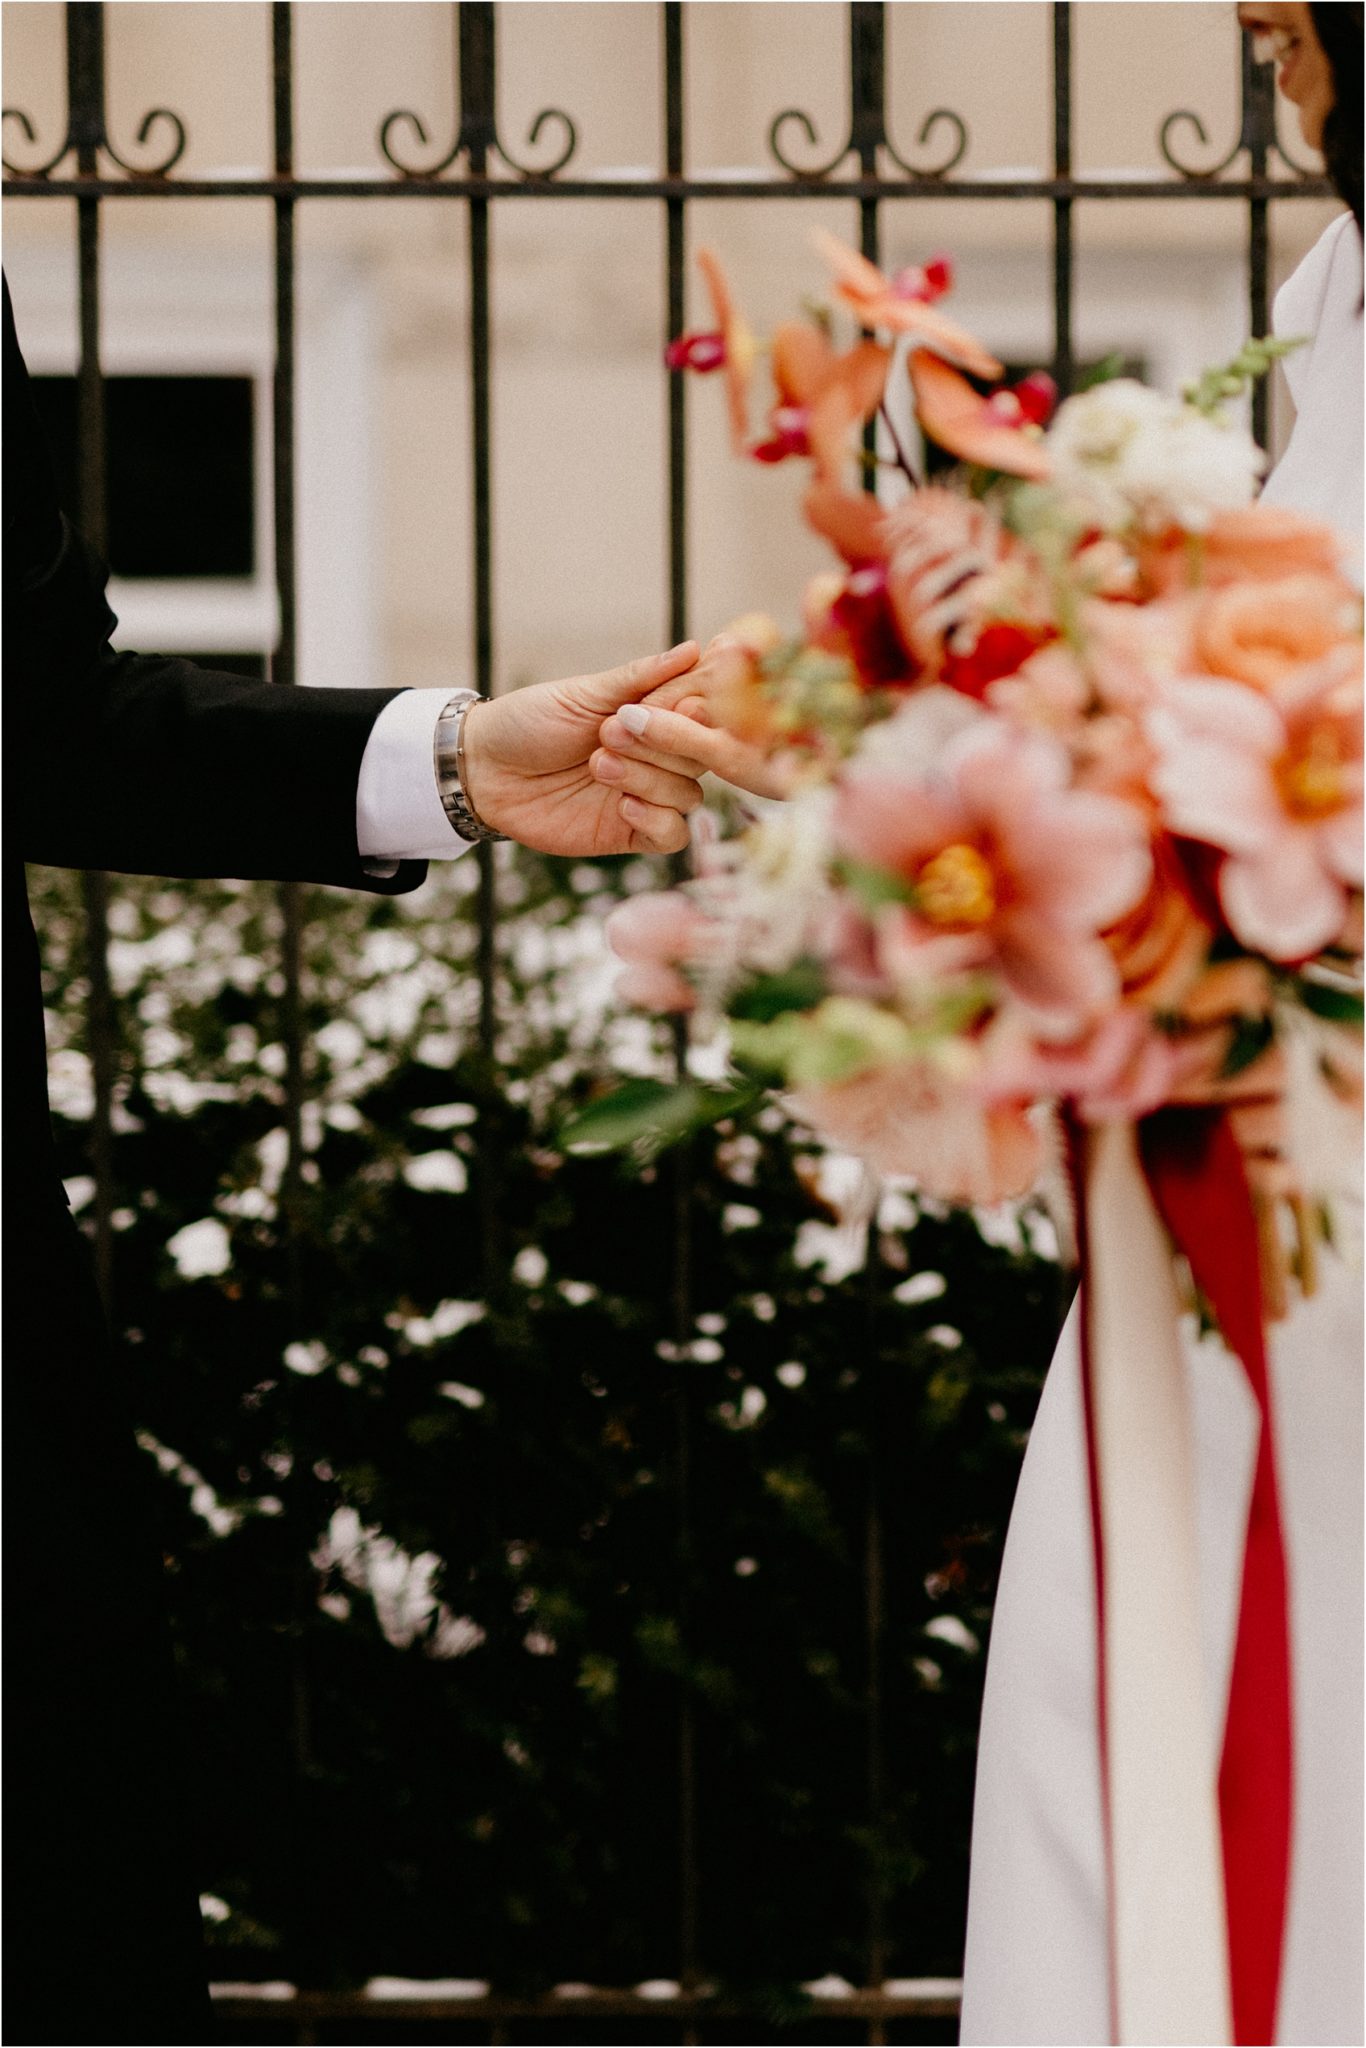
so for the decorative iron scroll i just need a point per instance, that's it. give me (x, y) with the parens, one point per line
(87, 133)
(1257, 133)
(868, 112)
(477, 135)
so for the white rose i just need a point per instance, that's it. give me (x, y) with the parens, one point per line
(1131, 455)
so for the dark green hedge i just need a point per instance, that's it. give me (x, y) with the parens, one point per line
(478, 1776)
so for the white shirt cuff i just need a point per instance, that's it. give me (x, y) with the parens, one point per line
(399, 815)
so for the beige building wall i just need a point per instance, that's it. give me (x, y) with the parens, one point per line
(578, 289)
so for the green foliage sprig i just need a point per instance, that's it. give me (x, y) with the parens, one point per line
(1213, 388)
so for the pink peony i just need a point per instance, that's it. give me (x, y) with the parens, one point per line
(910, 1119)
(855, 962)
(656, 934)
(1003, 856)
(1048, 691)
(649, 985)
(1121, 1068)
(1277, 787)
(1134, 651)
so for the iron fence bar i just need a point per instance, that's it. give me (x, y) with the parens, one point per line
(284, 655)
(759, 186)
(284, 673)
(868, 134)
(1259, 132)
(676, 251)
(1063, 365)
(85, 104)
(676, 259)
(478, 115)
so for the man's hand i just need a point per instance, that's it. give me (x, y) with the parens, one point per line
(534, 770)
(682, 730)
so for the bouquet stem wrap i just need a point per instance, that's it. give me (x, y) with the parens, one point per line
(1199, 1851)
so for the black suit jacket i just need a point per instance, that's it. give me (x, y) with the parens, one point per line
(149, 765)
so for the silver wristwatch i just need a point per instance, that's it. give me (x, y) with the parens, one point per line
(448, 756)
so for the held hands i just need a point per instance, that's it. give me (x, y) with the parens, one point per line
(681, 728)
(533, 768)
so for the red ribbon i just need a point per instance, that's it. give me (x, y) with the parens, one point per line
(1195, 1172)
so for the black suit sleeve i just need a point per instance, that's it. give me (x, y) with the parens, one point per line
(145, 763)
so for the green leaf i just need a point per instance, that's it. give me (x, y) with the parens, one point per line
(822, 1047)
(874, 887)
(1251, 1038)
(647, 1116)
(801, 987)
(1104, 372)
(1335, 1005)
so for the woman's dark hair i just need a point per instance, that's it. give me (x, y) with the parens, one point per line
(1337, 24)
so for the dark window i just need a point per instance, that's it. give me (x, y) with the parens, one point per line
(181, 471)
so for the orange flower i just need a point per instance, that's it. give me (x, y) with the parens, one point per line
(1261, 634)
(1161, 947)
(852, 521)
(877, 301)
(738, 700)
(1255, 543)
(958, 418)
(820, 395)
(740, 345)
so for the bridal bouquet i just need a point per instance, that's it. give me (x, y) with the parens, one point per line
(1071, 737)
(1074, 741)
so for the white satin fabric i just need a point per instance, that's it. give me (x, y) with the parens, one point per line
(1036, 1963)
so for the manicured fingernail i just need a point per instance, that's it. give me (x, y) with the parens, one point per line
(635, 718)
(634, 812)
(608, 768)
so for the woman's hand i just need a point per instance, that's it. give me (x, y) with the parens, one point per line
(680, 729)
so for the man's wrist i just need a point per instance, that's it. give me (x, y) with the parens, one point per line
(450, 755)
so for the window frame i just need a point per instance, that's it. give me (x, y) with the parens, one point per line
(182, 311)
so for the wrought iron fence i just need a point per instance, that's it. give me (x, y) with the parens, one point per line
(479, 172)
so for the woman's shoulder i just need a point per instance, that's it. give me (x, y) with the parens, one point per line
(1329, 276)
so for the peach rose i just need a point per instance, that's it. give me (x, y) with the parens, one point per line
(1254, 543)
(1259, 634)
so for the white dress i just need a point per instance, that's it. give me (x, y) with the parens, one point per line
(1036, 1968)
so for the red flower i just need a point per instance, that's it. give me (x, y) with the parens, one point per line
(791, 434)
(700, 352)
(864, 621)
(923, 283)
(1030, 403)
(1000, 650)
